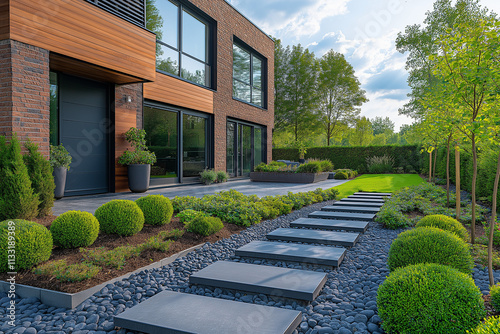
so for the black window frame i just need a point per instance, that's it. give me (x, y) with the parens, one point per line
(253, 53)
(210, 44)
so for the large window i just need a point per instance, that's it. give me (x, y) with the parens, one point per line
(248, 69)
(183, 41)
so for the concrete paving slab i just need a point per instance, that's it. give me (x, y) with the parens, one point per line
(172, 312)
(314, 236)
(353, 203)
(283, 251)
(342, 215)
(366, 200)
(276, 281)
(330, 224)
(362, 193)
(368, 197)
(357, 209)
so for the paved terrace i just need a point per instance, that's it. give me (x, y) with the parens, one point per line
(247, 187)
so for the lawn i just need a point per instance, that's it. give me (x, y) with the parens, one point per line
(386, 183)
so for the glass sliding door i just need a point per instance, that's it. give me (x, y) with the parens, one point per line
(257, 146)
(244, 148)
(230, 149)
(194, 140)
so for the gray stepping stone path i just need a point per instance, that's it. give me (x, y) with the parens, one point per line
(276, 281)
(367, 200)
(284, 251)
(330, 224)
(352, 203)
(357, 209)
(342, 215)
(372, 194)
(174, 312)
(368, 197)
(314, 236)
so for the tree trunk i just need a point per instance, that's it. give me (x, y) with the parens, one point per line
(430, 167)
(434, 168)
(448, 172)
(474, 178)
(493, 224)
(457, 181)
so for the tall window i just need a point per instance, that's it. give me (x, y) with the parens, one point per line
(182, 47)
(248, 82)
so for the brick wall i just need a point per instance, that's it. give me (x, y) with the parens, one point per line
(24, 92)
(231, 23)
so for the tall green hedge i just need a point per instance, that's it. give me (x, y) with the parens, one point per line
(355, 157)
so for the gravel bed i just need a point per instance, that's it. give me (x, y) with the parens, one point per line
(347, 304)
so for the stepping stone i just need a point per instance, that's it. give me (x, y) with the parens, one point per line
(330, 224)
(181, 313)
(314, 236)
(282, 282)
(342, 215)
(368, 197)
(361, 193)
(352, 203)
(281, 251)
(357, 209)
(366, 200)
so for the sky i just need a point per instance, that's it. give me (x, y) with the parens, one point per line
(363, 30)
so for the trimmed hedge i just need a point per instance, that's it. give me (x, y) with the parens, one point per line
(490, 326)
(75, 229)
(157, 209)
(205, 225)
(429, 298)
(445, 223)
(33, 244)
(119, 216)
(430, 245)
(355, 157)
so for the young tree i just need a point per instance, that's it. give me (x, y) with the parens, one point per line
(362, 133)
(339, 93)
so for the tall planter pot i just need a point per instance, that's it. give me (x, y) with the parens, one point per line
(138, 178)
(59, 174)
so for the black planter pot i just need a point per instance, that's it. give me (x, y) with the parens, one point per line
(59, 174)
(302, 161)
(138, 178)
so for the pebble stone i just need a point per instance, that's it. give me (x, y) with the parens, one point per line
(347, 303)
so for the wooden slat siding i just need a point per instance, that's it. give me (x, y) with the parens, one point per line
(124, 120)
(4, 19)
(173, 91)
(81, 30)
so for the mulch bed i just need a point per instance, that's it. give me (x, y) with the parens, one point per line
(110, 241)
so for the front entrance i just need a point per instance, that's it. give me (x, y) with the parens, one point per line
(244, 148)
(80, 121)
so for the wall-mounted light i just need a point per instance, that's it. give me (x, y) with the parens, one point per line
(128, 98)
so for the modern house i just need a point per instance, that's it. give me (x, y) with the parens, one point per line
(196, 75)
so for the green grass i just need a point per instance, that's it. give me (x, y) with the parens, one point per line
(384, 183)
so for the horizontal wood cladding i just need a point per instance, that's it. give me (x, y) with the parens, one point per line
(176, 92)
(4, 19)
(80, 30)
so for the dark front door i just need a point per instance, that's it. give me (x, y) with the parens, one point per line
(83, 126)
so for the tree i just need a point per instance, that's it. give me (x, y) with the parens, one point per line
(339, 93)
(281, 68)
(382, 125)
(362, 133)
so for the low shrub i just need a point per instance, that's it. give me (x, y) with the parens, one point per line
(495, 296)
(157, 209)
(380, 164)
(67, 272)
(309, 167)
(156, 243)
(174, 234)
(205, 225)
(115, 258)
(429, 298)
(490, 326)
(496, 233)
(32, 243)
(208, 177)
(326, 165)
(222, 176)
(430, 245)
(277, 163)
(75, 229)
(122, 217)
(185, 216)
(480, 255)
(391, 217)
(445, 223)
(341, 175)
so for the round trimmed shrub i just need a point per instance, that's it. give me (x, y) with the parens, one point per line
(491, 325)
(32, 244)
(429, 298)
(75, 229)
(119, 216)
(445, 223)
(341, 176)
(157, 209)
(430, 245)
(205, 225)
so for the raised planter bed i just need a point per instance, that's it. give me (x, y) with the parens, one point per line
(288, 177)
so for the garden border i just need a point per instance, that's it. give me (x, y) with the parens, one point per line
(285, 177)
(72, 300)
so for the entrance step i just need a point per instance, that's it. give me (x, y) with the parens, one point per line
(365, 200)
(314, 236)
(181, 313)
(372, 194)
(352, 203)
(282, 282)
(282, 251)
(331, 224)
(357, 209)
(342, 215)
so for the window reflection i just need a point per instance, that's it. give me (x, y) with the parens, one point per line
(193, 70)
(194, 36)
(247, 76)
(194, 145)
(167, 60)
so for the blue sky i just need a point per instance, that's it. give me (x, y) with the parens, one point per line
(363, 30)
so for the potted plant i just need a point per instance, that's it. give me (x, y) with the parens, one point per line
(139, 160)
(302, 152)
(60, 159)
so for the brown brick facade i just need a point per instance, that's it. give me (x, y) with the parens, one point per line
(24, 92)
